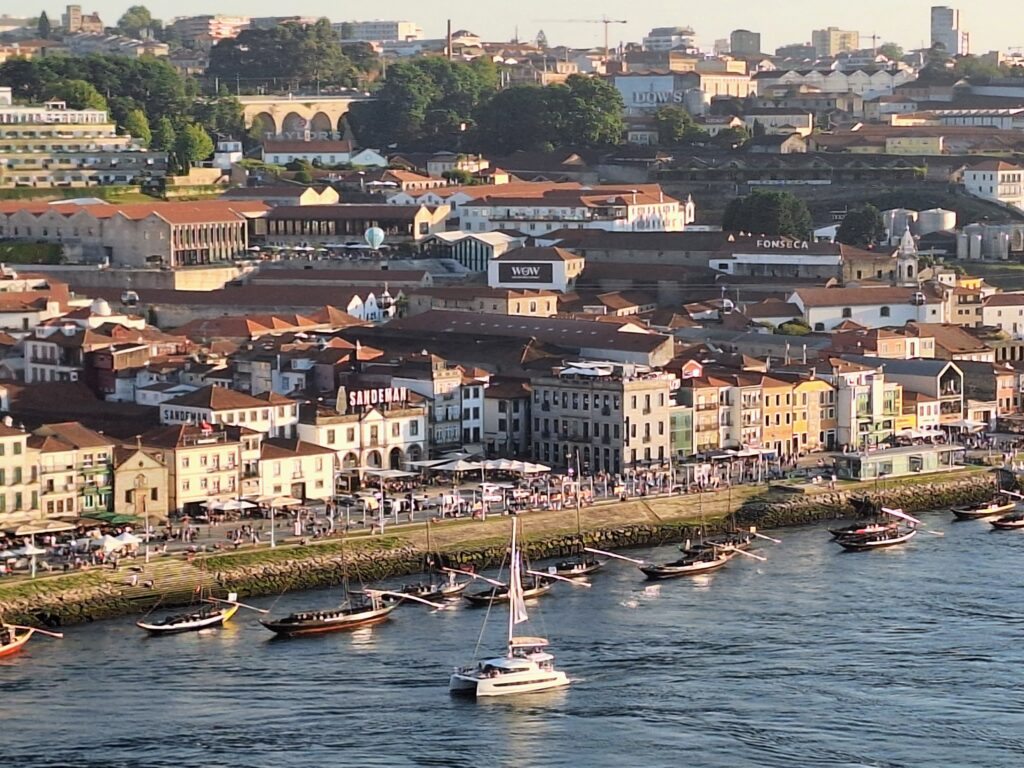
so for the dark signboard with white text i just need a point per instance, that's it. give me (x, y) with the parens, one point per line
(525, 273)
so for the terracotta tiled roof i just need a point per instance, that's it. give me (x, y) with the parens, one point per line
(216, 399)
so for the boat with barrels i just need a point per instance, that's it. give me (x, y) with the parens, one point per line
(577, 566)
(899, 530)
(359, 610)
(870, 519)
(977, 512)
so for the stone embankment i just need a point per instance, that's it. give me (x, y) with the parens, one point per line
(81, 597)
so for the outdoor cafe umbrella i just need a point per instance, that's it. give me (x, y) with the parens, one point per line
(111, 544)
(128, 539)
(459, 465)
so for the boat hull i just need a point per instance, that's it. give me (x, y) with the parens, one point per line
(977, 513)
(209, 622)
(576, 569)
(512, 684)
(1007, 525)
(866, 544)
(17, 644)
(663, 572)
(340, 623)
(838, 533)
(501, 596)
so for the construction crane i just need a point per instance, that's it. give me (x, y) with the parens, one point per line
(603, 20)
(873, 39)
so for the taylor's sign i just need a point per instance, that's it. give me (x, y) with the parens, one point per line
(381, 396)
(525, 273)
(785, 245)
(305, 136)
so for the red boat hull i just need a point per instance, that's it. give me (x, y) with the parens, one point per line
(17, 645)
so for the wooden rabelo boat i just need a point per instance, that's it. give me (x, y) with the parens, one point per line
(434, 588)
(883, 535)
(693, 563)
(991, 509)
(870, 521)
(533, 587)
(359, 610)
(214, 613)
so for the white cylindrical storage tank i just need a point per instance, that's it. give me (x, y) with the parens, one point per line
(1002, 246)
(974, 247)
(896, 221)
(935, 220)
(961, 246)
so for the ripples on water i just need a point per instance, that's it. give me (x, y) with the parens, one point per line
(909, 657)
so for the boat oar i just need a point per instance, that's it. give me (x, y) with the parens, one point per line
(235, 602)
(59, 635)
(575, 582)
(475, 576)
(729, 548)
(1012, 493)
(617, 557)
(404, 596)
(933, 533)
(760, 536)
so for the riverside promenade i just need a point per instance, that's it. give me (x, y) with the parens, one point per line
(297, 563)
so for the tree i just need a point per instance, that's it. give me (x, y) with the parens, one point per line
(297, 54)
(425, 103)
(594, 113)
(861, 227)
(44, 28)
(164, 136)
(776, 214)
(891, 51)
(732, 138)
(673, 123)
(137, 21)
(192, 145)
(974, 67)
(794, 328)
(221, 116)
(78, 94)
(137, 126)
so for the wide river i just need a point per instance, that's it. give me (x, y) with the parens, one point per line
(906, 657)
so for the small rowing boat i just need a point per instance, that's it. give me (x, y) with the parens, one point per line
(13, 637)
(1009, 522)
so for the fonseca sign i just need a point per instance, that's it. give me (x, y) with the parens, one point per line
(382, 396)
(785, 245)
(525, 273)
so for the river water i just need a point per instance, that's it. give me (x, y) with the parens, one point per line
(907, 657)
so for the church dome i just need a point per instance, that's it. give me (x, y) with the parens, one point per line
(101, 307)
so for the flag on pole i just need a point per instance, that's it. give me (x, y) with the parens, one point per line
(517, 601)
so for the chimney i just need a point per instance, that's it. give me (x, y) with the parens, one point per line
(450, 56)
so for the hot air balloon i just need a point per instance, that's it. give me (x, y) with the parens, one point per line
(374, 237)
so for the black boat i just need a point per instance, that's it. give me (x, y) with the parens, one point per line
(1009, 522)
(693, 563)
(577, 567)
(891, 536)
(499, 594)
(434, 590)
(360, 610)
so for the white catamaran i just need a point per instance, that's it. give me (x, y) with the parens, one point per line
(527, 667)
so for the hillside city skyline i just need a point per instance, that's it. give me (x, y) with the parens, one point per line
(789, 21)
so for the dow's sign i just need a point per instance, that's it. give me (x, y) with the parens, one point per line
(525, 273)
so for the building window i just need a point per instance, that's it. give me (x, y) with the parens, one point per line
(884, 312)
(847, 312)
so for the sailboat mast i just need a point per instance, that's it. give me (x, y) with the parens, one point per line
(512, 585)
